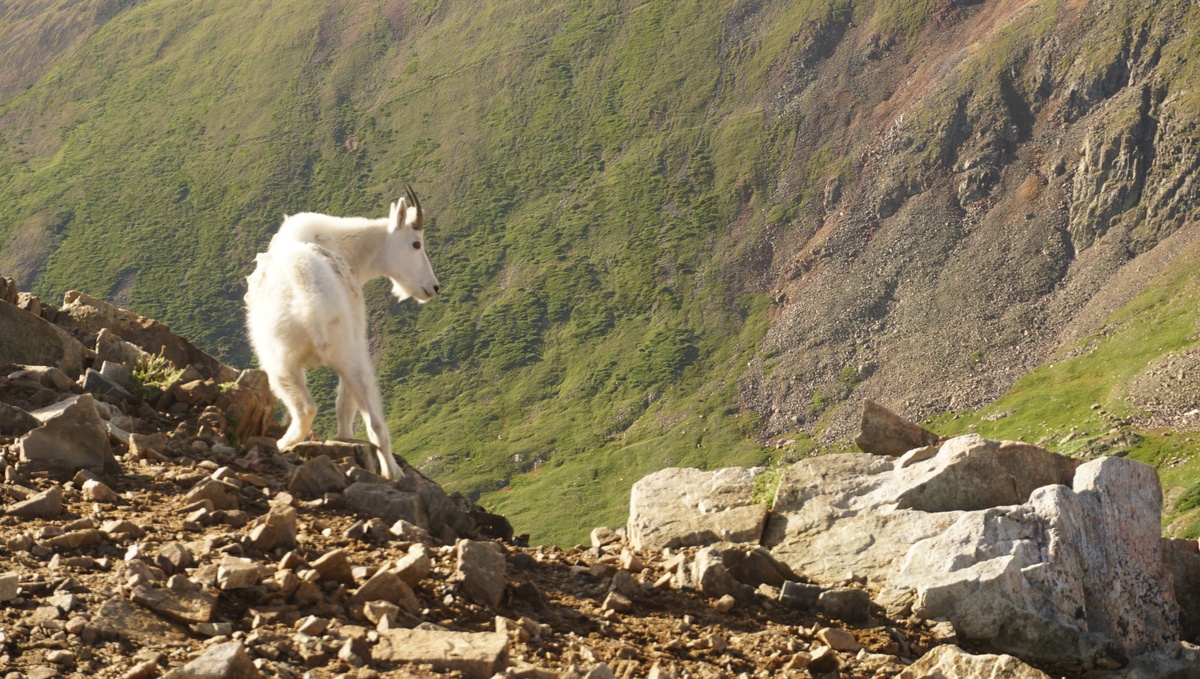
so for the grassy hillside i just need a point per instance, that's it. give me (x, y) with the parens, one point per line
(663, 229)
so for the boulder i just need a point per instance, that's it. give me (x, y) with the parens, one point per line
(91, 315)
(679, 507)
(371, 500)
(30, 340)
(832, 517)
(443, 511)
(72, 437)
(113, 349)
(317, 476)
(1073, 575)
(951, 662)
(883, 432)
(475, 654)
(480, 571)
(16, 422)
(249, 405)
(1182, 558)
(277, 529)
(860, 513)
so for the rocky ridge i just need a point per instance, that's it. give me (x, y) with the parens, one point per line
(160, 532)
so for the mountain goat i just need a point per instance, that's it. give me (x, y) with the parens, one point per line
(304, 308)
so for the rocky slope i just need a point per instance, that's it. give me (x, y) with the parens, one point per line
(667, 231)
(152, 528)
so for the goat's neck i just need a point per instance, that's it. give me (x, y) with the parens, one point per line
(364, 249)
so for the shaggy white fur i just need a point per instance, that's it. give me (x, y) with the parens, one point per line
(304, 308)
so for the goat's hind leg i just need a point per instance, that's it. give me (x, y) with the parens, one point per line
(291, 386)
(347, 408)
(361, 387)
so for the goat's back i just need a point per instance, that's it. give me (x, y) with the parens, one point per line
(302, 303)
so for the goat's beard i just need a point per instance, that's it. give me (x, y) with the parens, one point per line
(399, 292)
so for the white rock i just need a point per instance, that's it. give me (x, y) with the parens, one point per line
(679, 507)
(951, 662)
(1071, 575)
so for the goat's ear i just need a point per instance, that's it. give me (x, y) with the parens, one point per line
(418, 218)
(396, 216)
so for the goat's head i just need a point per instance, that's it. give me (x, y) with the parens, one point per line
(408, 265)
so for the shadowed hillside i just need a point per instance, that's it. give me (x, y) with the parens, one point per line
(667, 232)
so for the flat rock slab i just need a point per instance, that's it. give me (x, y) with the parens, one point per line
(223, 661)
(475, 654)
(45, 505)
(120, 619)
(187, 607)
(679, 507)
(951, 662)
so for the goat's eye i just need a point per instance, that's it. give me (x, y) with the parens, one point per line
(417, 245)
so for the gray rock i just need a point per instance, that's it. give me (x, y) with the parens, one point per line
(1182, 558)
(72, 437)
(800, 595)
(848, 604)
(44, 505)
(951, 662)
(370, 500)
(317, 476)
(680, 507)
(115, 351)
(480, 571)
(94, 382)
(222, 661)
(30, 340)
(117, 373)
(1073, 575)
(477, 655)
(16, 422)
(859, 513)
(97, 491)
(710, 576)
(883, 432)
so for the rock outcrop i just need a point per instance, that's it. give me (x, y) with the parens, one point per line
(682, 507)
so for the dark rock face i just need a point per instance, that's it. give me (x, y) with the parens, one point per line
(30, 340)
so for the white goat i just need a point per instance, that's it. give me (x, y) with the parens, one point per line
(304, 308)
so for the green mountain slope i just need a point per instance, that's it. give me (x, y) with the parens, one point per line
(665, 230)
